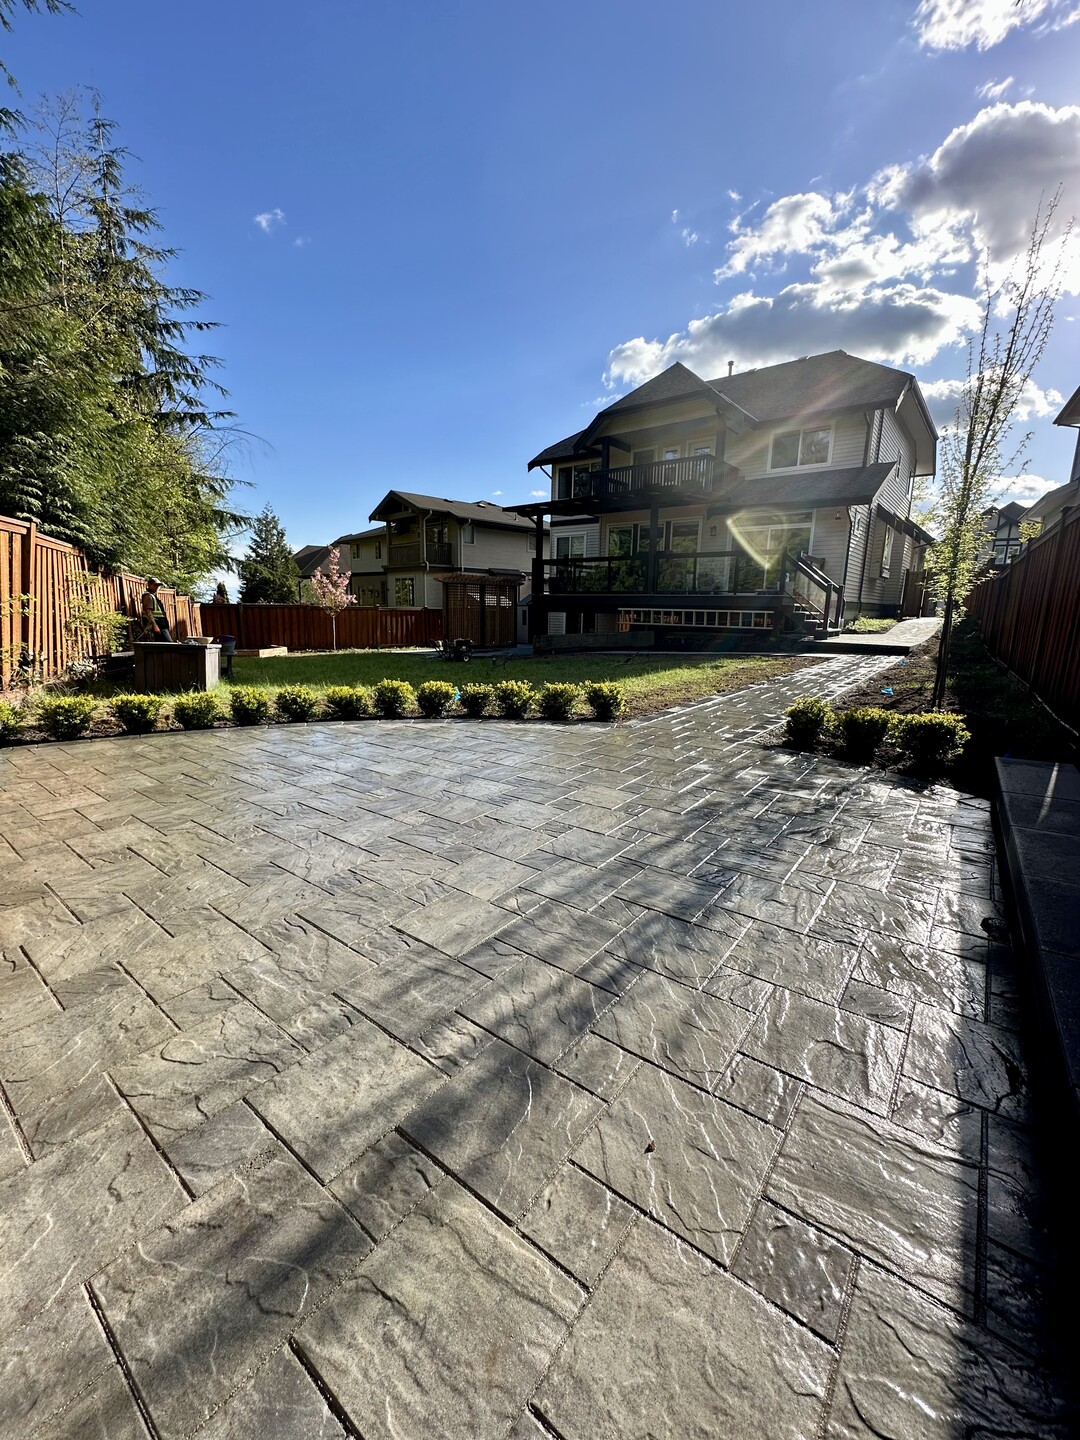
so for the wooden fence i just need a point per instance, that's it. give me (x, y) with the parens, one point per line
(308, 627)
(1029, 616)
(40, 581)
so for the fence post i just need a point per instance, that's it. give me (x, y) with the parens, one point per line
(28, 585)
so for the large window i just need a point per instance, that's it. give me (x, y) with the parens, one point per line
(569, 547)
(573, 482)
(886, 553)
(791, 448)
(404, 591)
(764, 539)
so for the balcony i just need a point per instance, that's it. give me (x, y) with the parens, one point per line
(673, 482)
(409, 552)
(719, 573)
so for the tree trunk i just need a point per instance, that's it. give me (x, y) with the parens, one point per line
(943, 655)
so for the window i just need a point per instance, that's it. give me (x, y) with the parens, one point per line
(620, 540)
(672, 452)
(569, 547)
(764, 539)
(572, 482)
(404, 591)
(792, 448)
(530, 542)
(701, 450)
(468, 534)
(886, 552)
(378, 549)
(355, 551)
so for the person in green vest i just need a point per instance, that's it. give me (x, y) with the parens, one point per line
(155, 620)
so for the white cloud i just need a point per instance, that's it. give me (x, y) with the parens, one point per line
(734, 195)
(994, 89)
(301, 241)
(539, 494)
(958, 24)
(270, 220)
(1034, 403)
(689, 237)
(1024, 489)
(674, 217)
(496, 493)
(887, 267)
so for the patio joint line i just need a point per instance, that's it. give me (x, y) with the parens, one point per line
(121, 1360)
(16, 1126)
(330, 1400)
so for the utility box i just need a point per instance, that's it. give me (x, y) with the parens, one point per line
(161, 666)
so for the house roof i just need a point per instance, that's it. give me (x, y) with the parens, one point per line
(476, 512)
(1070, 414)
(853, 486)
(1010, 512)
(814, 385)
(309, 557)
(1068, 494)
(371, 534)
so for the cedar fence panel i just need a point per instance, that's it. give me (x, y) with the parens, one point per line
(1029, 616)
(307, 627)
(37, 577)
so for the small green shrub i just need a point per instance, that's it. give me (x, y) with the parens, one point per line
(138, 714)
(606, 699)
(393, 698)
(10, 720)
(295, 702)
(514, 699)
(928, 741)
(560, 701)
(436, 698)
(65, 717)
(807, 722)
(862, 731)
(869, 625)
(249, 704)
(348, 702)
(477, 700)
(198, 710)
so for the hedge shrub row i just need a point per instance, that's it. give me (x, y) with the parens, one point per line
(926, 742)
(66, 717)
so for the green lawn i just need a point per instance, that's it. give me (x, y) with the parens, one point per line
(651, 682)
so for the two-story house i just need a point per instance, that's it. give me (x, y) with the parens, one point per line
(776, 498)
(423, 536)
(1002, 528)
(363, 556)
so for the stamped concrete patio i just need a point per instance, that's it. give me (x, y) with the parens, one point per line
(466, 1080)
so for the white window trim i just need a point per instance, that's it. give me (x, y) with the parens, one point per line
(467, 532)
(887, 542)
(568, 536)
(790, 469)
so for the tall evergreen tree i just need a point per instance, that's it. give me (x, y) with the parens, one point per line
(268, 572)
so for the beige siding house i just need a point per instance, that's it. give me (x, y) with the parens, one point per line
(776, 498)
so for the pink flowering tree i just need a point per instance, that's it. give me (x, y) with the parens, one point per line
(330, 590)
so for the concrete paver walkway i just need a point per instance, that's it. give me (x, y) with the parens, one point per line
(467, 1080)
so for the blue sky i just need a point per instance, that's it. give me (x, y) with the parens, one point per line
(439, 235)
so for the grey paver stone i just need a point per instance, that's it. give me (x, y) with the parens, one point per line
(538, 1008)
(673, 1349)
(578, 1222)
(503, 1125)
(333, 1105)
(176, 1086)
(843, 1054)
(106, 1411)
(73, 1211)
(978, 1062)
(883, 1006)
(909, 1368)
(676, 948)
(937, 977)
(203, 1300)
(445, 1329)
(280, 1403)
(814, 967)
(453, 1043)
(597, 1065)
(61, 1351)
(945, 1120)
(891, 1198)
(560, 935)
(767, 1093)
(692, 1162)
(453, 925)
(796, 1267)
(408, 995)
(386, 1183)
(231, 1139)
(683, 1031)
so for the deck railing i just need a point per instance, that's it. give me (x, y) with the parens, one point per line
(693, 475)
(411, 552)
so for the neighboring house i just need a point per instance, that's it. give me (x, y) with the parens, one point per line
(780, 496)
(1002, 534)
(309, 558)
(363, 556)
(1070, 415)
(425, 536)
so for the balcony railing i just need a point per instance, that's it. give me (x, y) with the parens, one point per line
(692, 475)
(725, 572)
(409, 552)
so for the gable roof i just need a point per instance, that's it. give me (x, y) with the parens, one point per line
(309, 557)
(374, 532)
(1067, 494)
(475, 512)
(1070, 414)
(814, 385)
